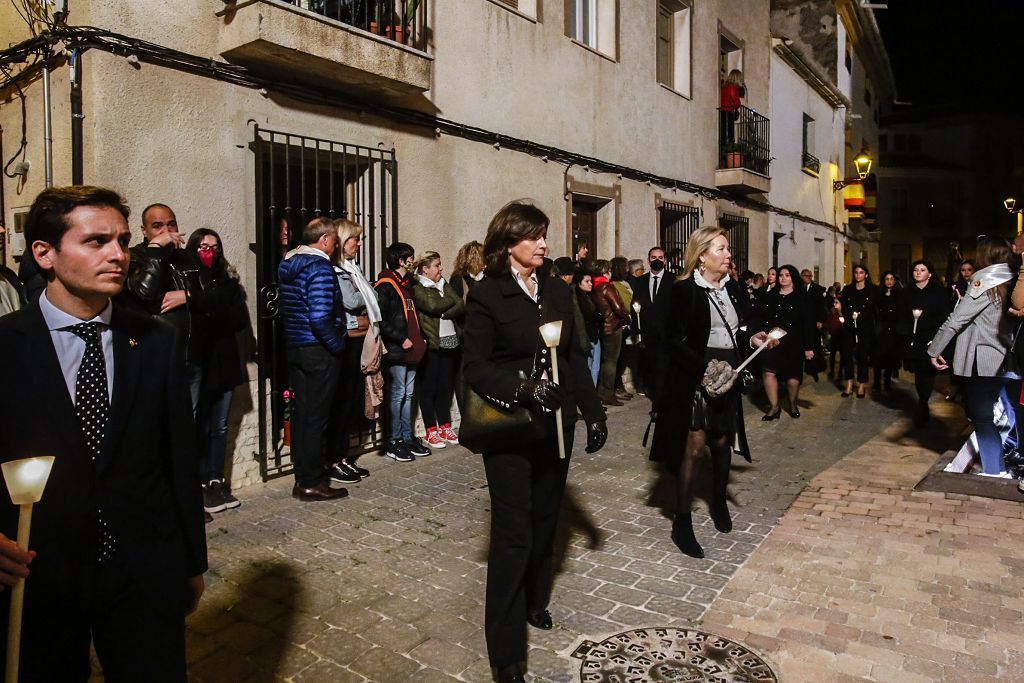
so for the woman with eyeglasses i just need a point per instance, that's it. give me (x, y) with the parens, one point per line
(860, 317)
(984, 334)
(219, 315)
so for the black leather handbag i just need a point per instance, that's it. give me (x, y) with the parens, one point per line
(488, 427)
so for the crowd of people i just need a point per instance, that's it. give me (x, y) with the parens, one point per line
(150, 343)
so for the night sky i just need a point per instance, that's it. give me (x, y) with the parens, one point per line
(967, 53)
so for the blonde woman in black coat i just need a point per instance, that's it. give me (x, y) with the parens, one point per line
(706, 327)
(507, 363)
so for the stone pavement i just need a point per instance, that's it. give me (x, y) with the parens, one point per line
(866, 579)
(387, 585)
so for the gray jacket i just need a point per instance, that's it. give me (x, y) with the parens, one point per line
(985, 330)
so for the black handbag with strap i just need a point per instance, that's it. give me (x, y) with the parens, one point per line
(487, 426)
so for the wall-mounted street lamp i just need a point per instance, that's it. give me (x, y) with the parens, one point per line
(861, 162)
(1011, 205)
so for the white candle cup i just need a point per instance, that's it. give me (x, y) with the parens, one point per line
(552, 335)
(25, 479)
(774, 335)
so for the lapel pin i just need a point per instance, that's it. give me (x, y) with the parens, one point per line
(132, 342)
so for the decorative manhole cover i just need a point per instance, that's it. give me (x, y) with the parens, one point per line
(669, 655)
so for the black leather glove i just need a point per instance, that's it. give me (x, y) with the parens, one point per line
(540, 394)
(597, 434)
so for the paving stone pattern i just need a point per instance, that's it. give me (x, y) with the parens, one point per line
(866, 579)
(387, 585)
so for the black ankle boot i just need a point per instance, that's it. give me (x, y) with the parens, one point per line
(719, 511)
(682, 536)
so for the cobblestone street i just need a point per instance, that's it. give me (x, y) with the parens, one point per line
(387, 585)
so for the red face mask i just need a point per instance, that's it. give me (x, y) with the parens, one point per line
(207, 257)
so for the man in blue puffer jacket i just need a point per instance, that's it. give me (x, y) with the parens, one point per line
(314, 326)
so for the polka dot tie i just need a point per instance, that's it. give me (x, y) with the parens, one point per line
(92, 404)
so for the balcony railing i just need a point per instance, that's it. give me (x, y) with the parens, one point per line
(743, 137)
(402, 21)
(810, 164)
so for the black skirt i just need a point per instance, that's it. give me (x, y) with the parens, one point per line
(716, 414)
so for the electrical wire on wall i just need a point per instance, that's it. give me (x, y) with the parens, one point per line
(81, 38)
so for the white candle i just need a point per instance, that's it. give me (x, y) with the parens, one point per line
(552, 334)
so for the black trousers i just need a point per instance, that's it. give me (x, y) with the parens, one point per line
(347, 413)
(653, 369)
(856, 353)
(313, 374)
(437, 386)
(526, 495)
(138, 628)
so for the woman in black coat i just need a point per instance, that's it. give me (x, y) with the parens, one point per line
(860, 317)
(219, 315)
(506, 362)
(786, 307)
(928, 302)
(887, 347)
(705, 327)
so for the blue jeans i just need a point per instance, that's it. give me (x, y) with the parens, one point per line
(594, 361)
(213, 435)
(401, 380)
(982, 394)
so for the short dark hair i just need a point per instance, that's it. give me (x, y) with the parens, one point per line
(654, 249)
(923, 262)
(563, 266)
(515, 222)
(47, 219)
(582, 243)
(142, 215)
(747, 275)
(317, 228)
(397, 252)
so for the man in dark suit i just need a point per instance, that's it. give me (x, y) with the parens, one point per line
(652, 292)
(818, 312)
(118, 542)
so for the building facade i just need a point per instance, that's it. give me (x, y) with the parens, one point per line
(417, 118)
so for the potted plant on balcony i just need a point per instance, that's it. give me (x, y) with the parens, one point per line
(397, 27)
(734, 154)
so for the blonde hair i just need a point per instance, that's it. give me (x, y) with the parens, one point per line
(735, 77)
(426, 260)
(470, 259)
(699, 243)
(347, 230)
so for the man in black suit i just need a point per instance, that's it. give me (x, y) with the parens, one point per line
(118, 543)
(818, 312)
(652, 292)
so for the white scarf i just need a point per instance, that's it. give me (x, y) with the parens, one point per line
(369, 296)
(987, 278)
(446, 328)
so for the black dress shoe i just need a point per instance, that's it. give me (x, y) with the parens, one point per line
(207, 517)
(340, 472)
(771, 416)
(682, 536)
(319, 492)
(720, 516)
(511, 674)
(540, 619)
(795, 413)
(351, 464)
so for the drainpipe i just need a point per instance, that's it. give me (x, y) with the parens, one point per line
(76, 118)
(47, 128)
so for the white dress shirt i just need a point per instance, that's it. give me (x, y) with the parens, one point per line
(720, 337)
(522, 283)
(71, 348)
(656, 279)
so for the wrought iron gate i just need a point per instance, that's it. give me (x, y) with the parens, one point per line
(299, 178)
(739, 238)
(678, 222)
